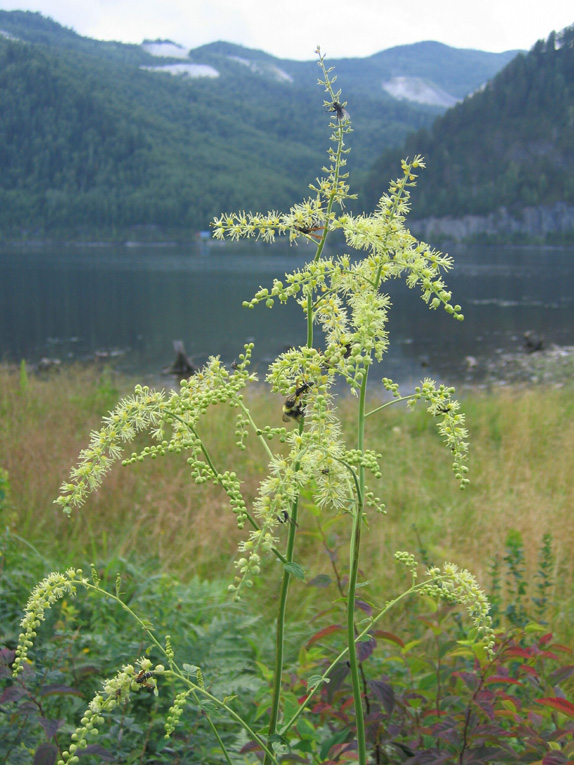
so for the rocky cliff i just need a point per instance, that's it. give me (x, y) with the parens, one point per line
(541, 223)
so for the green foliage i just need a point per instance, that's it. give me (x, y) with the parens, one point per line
(435, 699)
(86, 636)
(510, 144)
(522, 606)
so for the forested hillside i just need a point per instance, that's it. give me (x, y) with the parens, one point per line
(97, 141)
(511, 144)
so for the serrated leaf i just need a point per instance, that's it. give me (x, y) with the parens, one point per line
(295, 570)
(190, 669)
(316, 680)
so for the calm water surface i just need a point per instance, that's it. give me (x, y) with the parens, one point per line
(73, 301)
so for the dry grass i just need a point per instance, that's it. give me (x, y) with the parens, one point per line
(521, 468)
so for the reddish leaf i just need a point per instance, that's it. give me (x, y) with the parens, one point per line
(323, 633)
(560, 674)
(51, 727)
(251, 746)
(545, 638)
(548, 655)
(7, 656)
(56, 690)
(388, 636)
(384, 693)
(525, 653)
(12, 693)
(528, 669)
(560, 647)
(468, 678)
(566, 707)
(365, 648)
(364, 607)
(555, 758)
(46, 754)
(503, 679)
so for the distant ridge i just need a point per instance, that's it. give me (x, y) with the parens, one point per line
(101, 140)
(501, 163)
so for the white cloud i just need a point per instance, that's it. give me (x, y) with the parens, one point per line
(342, 27)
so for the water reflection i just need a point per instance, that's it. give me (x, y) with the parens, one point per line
(75, 301)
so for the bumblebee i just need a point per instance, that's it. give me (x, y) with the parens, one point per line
(294, 406)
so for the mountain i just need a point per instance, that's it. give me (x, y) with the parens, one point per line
(113, 141)
(501, 163)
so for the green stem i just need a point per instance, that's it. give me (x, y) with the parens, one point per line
(280, 631)
(198, 689)
(215, 472)
(389, 403)
(341, 656)
(257, 430)
(353, 575)
(176, 673)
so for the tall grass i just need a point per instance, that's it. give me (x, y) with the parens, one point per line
(521, 469)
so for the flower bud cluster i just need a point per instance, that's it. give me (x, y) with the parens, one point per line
(115, 692)
(450, 423)
(175, 712)
(408, 560)
(132, 415)
(231, 485)
(51, 589)
(460, 586)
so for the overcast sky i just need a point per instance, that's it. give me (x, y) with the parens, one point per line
(293, 29)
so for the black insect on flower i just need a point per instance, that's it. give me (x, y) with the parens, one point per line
(294, 406)
(142, 679)
(339, 110)
(309, 230)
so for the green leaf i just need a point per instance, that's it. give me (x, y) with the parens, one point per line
(338, 738)
(295, 570)
(316, 680)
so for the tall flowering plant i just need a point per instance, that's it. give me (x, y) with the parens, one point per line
(344, 296)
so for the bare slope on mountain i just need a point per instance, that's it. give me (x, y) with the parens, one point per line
(503, 160)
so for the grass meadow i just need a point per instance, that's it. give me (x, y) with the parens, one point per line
(522, 488)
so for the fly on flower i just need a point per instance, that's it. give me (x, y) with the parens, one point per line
(339, 109)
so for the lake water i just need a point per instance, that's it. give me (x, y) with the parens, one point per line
(73, 301)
